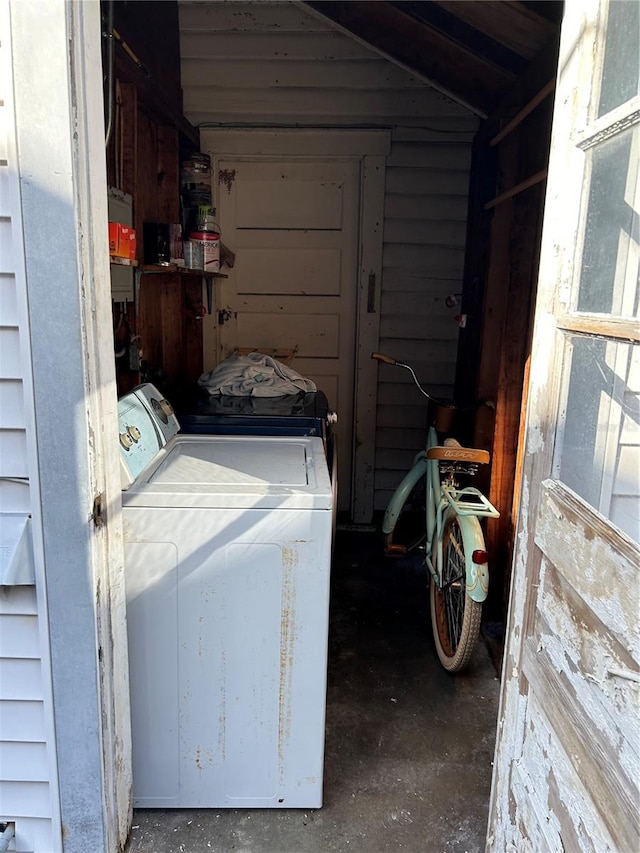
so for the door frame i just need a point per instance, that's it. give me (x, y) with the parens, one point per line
(371, 148)
(72, 409)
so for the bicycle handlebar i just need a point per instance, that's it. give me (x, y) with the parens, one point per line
(379, 356)
(387, 359)
(448, 404)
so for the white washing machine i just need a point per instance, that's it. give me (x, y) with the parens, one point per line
(227, 568)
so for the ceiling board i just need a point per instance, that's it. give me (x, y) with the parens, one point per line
(508, 22)
(457, 29)
(450, 67)
(470, 50)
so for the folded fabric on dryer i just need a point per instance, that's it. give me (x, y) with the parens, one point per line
(254, 375)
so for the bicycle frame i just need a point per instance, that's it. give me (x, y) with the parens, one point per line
(441, 500)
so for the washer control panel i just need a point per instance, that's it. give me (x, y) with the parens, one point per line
(145, 424)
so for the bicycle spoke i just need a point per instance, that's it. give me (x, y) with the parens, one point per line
(453, 587)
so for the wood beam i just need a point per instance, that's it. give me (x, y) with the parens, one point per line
(524, 112)
(527, 87)
(517, 189)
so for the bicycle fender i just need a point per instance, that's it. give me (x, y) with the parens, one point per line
(477, 575)
(398, 498)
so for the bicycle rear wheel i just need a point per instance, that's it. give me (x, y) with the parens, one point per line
(410, 529)
(455, 617)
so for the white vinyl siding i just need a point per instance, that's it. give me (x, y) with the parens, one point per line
(276, 64)
(25, 794)
(27, 753)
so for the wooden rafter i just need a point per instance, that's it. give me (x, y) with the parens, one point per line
(423, 50)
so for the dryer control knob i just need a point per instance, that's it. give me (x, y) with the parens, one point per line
(166, 406)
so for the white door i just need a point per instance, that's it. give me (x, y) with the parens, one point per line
(293, 225)
(568, 753)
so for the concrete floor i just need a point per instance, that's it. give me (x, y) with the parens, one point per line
(409, 748)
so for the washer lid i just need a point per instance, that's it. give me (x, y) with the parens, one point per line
(236, 471)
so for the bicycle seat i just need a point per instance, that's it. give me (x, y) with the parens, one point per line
(459, 454)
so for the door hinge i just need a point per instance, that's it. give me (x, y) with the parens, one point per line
(97, 514)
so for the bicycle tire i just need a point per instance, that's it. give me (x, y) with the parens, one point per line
(410, 529)
(455, 617)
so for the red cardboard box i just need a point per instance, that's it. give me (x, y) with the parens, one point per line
(122, 241)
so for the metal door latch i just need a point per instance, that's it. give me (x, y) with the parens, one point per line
(224, 315)
(97, 513)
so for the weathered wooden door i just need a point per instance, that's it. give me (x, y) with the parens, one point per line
(294, 227)
(568, 753)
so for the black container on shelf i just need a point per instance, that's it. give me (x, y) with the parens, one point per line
(156, 248)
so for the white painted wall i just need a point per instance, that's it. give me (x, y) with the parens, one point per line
(274, 64)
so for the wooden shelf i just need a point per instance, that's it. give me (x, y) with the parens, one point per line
(173, 269)
(122, 262)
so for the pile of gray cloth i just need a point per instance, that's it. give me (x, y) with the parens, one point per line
(254, 375)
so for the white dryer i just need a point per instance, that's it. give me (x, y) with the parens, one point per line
(227, 567)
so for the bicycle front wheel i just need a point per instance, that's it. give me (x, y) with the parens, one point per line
(455, 618)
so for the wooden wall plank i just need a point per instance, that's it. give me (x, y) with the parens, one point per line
(426, 232)
(426, 208)
(193, 300)
(423, 182)
(273, 17)
(445, 155)
(430, 326)
(150, 320)
(525, 236)
(232, 73)
(322, 46)
(206, 103)
(168, 171)
(122, 147)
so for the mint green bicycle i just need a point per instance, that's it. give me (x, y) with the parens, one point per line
(431, 511)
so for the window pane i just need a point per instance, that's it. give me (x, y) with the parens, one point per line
(621, 69)
(598, 448)
(610, 257)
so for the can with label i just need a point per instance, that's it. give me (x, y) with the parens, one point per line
(210, 242)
